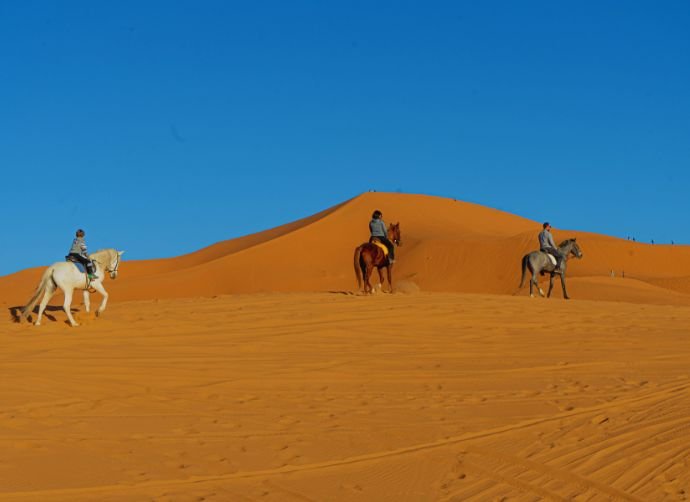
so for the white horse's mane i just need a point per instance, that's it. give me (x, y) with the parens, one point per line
(100, 252)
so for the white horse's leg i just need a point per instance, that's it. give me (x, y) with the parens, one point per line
(87, 301)
(50, 291)
(99, 287)
(68, 306)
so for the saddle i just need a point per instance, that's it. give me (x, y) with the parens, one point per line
(80, 266)
(551, 257)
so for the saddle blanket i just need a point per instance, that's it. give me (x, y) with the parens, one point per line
(383, 247)
(79, 266)
(552, 258)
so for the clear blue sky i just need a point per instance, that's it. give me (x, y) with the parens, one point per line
(163, 127)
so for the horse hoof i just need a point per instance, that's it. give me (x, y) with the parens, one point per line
(531, 295)
(37, 324)
(98, 314)
(541, 292)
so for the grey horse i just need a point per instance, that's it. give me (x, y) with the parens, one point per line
(539, 262)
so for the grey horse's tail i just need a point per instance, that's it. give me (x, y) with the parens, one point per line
(525, 259)
(47, 276)
(358, 271)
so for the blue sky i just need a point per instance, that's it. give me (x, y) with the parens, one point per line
(163, 127)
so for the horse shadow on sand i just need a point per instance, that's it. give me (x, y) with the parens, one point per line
(15, 313)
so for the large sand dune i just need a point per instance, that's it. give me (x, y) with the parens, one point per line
(448, 246)
(247, 371)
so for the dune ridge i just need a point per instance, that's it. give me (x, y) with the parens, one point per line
(448, 246)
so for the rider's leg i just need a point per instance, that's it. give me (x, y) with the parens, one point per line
(88, 265)
(391, 248)
(556, 254)
(559, 259)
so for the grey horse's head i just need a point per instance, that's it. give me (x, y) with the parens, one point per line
(570, 246)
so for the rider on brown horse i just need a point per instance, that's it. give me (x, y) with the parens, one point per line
(379, 232)
(371, 255)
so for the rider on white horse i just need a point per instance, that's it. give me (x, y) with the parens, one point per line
(78, 253)
(547, 245)
(66, 277)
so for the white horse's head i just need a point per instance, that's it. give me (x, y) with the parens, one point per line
(108, 260)
(114, 260)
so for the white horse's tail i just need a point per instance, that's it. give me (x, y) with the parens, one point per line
(47, 276)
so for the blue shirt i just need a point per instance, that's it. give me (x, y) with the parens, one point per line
(378, 228)
(546, 240)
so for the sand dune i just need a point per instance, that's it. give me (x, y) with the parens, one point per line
(249, 370)
(448, 246)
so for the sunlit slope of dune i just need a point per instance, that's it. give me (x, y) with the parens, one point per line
(224, 248)
(319, 256)
(448, 245)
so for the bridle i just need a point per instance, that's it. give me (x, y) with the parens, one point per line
(117, 264)
(396, 240)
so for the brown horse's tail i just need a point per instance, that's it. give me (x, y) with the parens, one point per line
(525, 259)
(358, 268)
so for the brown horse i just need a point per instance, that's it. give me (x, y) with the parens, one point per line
(370, 255)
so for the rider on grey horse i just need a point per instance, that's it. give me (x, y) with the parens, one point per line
(547, 245)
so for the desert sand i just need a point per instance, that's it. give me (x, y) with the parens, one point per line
(250, 370)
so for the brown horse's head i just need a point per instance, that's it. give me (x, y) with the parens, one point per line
(394, 234)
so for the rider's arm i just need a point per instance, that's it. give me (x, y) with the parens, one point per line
(551, 242)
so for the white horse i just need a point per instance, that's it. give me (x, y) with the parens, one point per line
(66, 276)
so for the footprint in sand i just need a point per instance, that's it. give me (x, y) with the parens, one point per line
(354, 488)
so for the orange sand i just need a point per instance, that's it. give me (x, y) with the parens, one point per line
(213, 378)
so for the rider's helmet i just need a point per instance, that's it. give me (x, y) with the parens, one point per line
(80, 233)
(377, 214)
(546, 224)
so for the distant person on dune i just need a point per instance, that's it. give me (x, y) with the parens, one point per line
(379, 230)
(547, 245)
(78, 253)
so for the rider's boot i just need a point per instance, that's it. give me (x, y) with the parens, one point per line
(90, 272)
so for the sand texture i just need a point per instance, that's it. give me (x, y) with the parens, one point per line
(250, 370)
